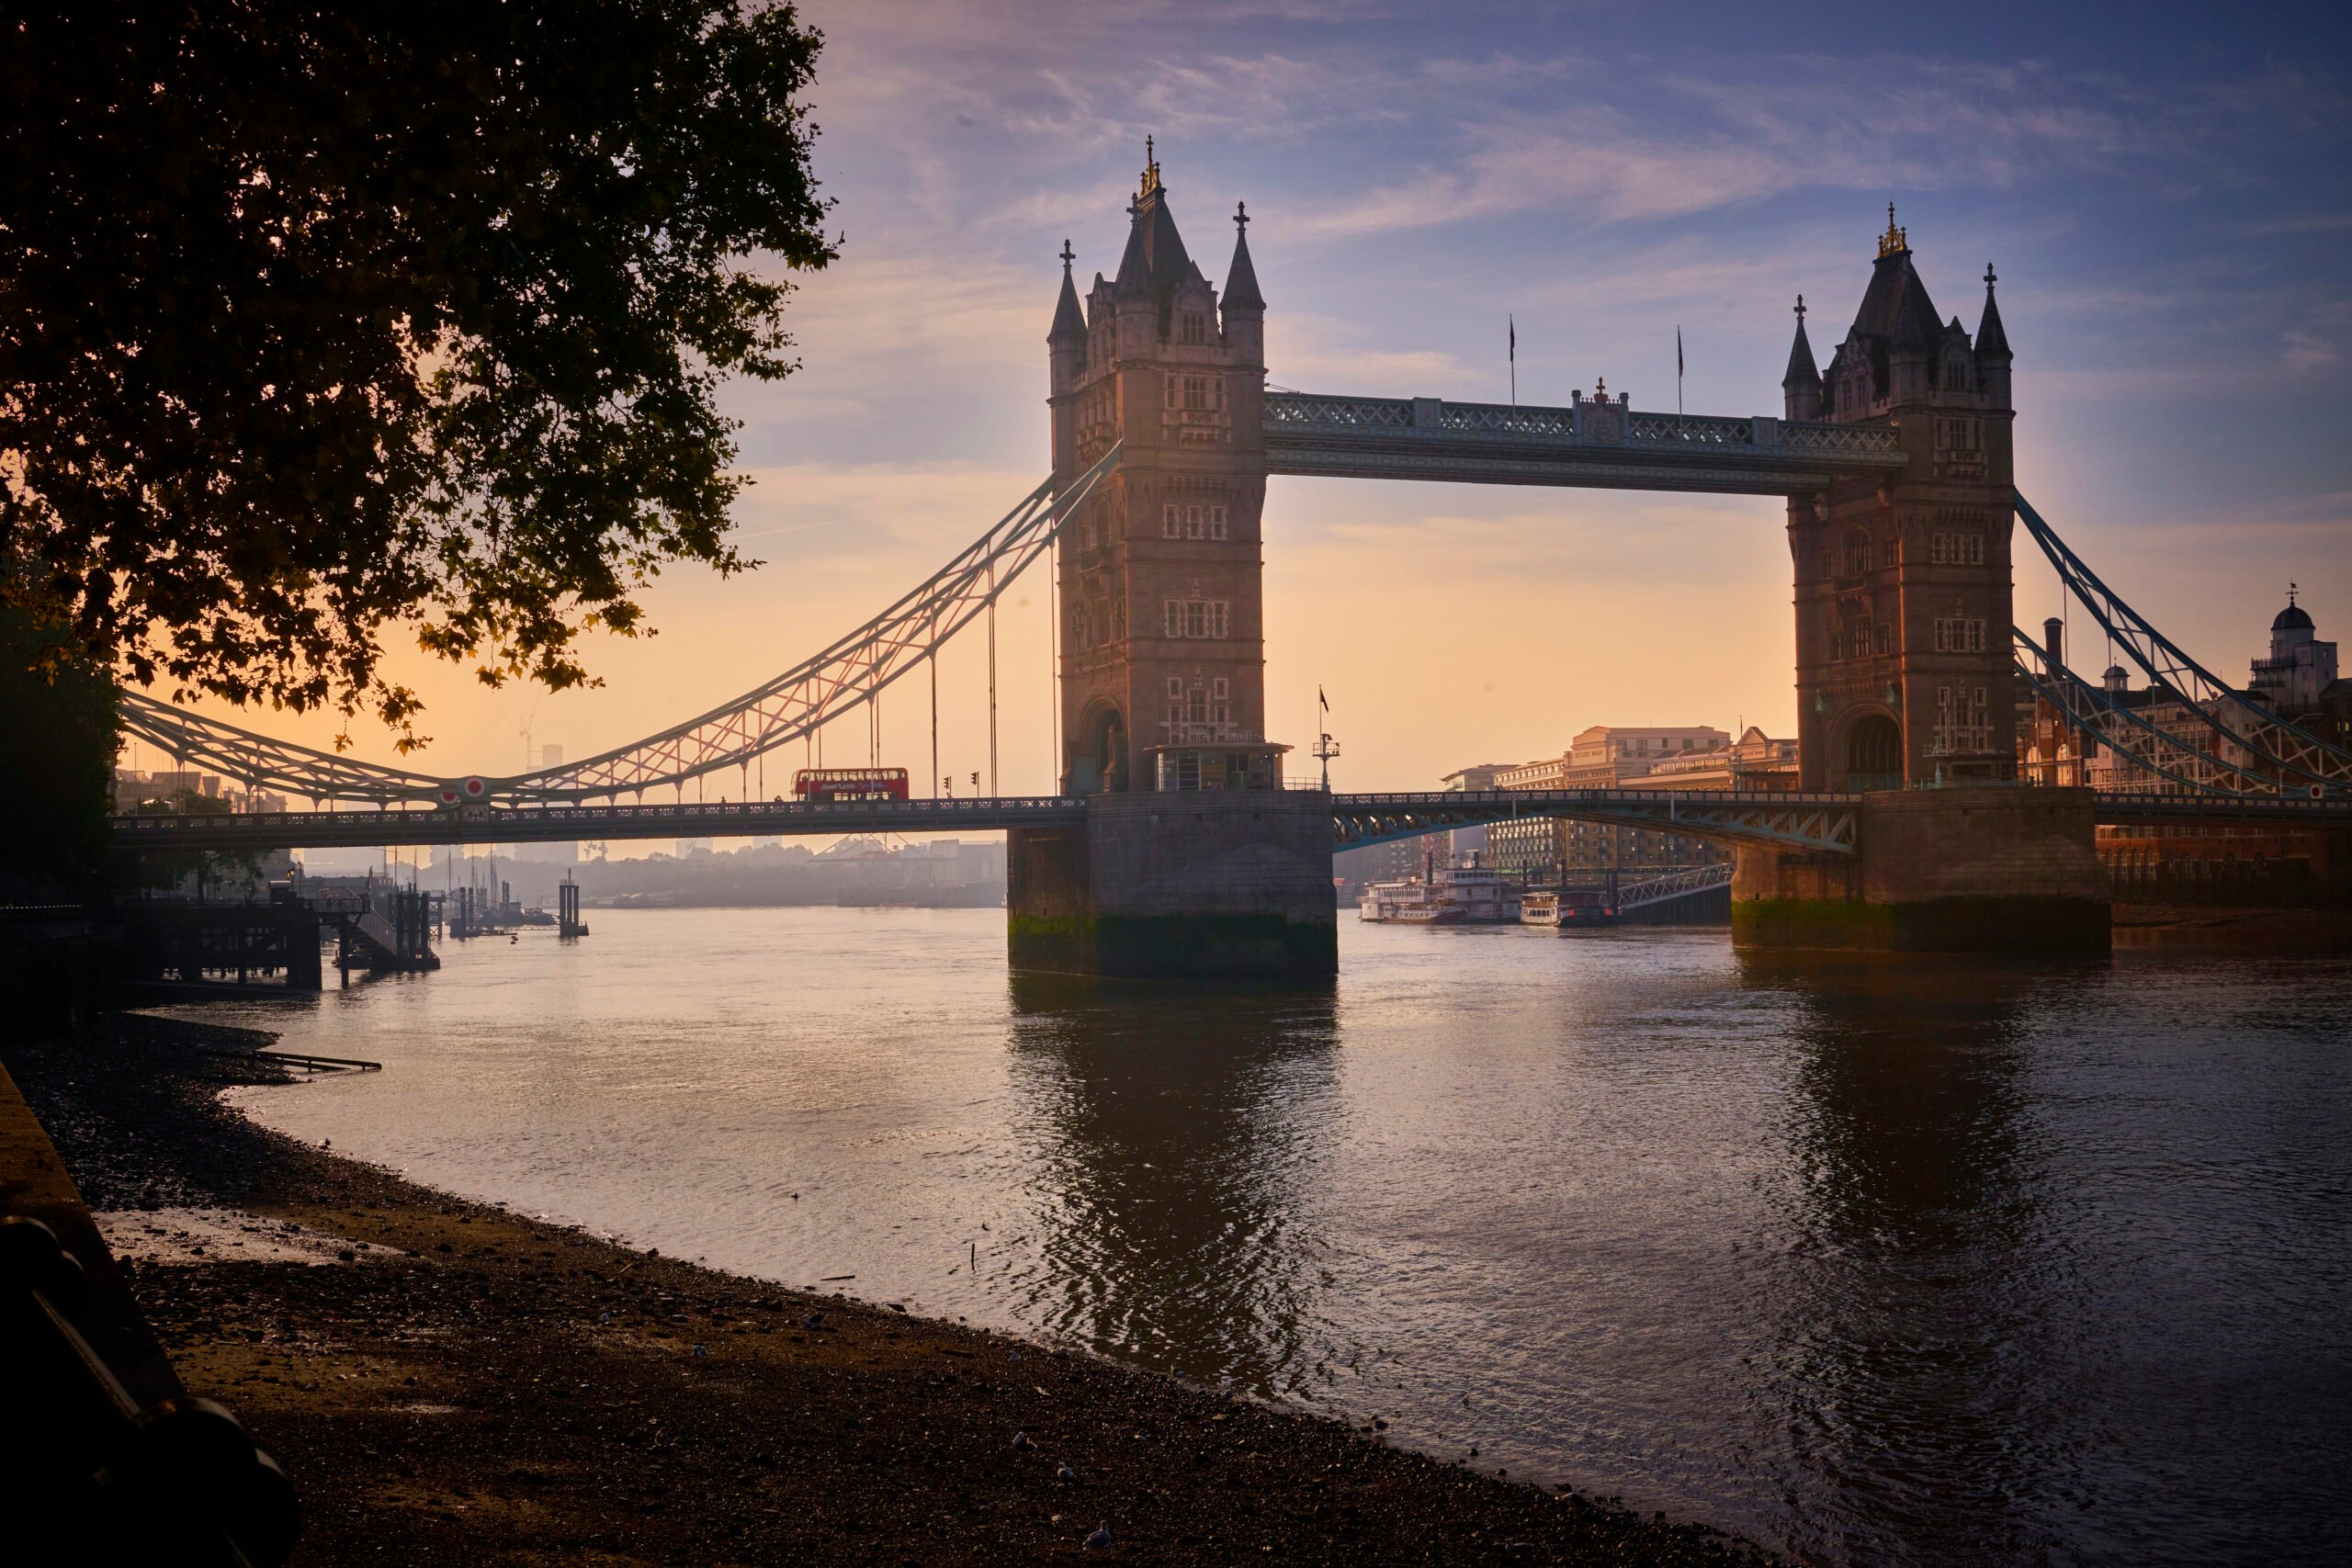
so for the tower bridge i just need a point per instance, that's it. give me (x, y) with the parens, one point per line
(1171, 845)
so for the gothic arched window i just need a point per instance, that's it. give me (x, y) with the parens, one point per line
(1857, 552)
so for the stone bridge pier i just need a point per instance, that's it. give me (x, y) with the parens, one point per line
(1233, 884)
(1970, 868)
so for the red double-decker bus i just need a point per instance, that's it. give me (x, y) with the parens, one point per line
(850, 783)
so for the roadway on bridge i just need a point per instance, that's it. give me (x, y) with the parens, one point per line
(1820, 821)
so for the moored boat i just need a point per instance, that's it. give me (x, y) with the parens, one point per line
(1461, 895)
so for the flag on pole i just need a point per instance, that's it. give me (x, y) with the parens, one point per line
(1677, 370)
(1324, 700)
(1513, 320)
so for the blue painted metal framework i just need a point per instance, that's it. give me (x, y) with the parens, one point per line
(2096, 716)
(850, 672)
(1684, 884)
(2283, 751)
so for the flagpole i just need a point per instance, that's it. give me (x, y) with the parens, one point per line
(1677, 375)
(1514, 362)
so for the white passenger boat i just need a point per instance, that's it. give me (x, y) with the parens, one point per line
(1461, 895)
(1410, 902)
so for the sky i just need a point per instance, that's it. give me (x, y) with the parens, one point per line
(2163, 189)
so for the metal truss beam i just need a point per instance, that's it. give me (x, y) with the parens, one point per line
(2096, 716)
(1819, 823)
(1606, 447)
(1673, 885)
(854, 670)
(2271, 744)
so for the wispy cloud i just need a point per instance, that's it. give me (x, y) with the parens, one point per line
(2306, 223)
(2318, 340)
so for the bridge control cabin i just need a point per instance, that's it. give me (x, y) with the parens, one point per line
(1226, 765)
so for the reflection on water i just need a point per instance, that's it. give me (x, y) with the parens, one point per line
(1173, 1138)
(1911, 1185)
(1917, 1261)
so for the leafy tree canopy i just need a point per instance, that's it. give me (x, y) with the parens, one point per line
(58, 736)
(319, 321)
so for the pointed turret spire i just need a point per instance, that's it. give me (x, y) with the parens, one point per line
(1134, 279)
(1801, 384)
(1154, 263)
(1990, 339)
(1241, 278)
(1070, 321)
(1802, 370)
(1895, 241)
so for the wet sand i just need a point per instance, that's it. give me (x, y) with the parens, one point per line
(450, 1383)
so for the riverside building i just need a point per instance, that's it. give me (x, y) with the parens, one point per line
(1604, 757)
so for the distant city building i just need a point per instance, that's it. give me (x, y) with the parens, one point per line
(1618, 757)
(566, 853)
(1464, 842)
(1353, 870)
(550, 756)
(2299, 677)
(1754, 761)
(1608, 756)
(134, 787)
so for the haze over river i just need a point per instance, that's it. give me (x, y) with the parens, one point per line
(1931, 1262)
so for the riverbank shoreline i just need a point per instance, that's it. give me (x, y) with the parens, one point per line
(449, 1382)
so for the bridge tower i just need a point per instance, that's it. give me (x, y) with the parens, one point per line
(1193, 859)
(1902, 587)
(1163, 637)
(1904, 664)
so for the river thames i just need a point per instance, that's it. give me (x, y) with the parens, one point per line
(1930, 1261)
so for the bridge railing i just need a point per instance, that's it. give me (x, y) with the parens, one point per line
(1539, 801)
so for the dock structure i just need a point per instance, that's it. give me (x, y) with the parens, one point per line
(390, 934)
(568, 922)
(184, 945)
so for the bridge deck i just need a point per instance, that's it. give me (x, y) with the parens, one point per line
(1817, 821)
(566, 824)
(1588, 445)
